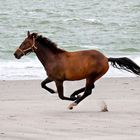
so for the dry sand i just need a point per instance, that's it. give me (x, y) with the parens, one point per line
(28, 112)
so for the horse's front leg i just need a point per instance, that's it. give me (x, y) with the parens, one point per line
(43, 85)
(60, 90)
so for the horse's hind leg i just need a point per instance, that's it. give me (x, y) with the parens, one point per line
(77, 92)
(43, 85)
(88, 91)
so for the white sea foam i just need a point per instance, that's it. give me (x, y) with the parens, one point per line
(89, 47)
(88, 20)
(27, 69)
(33, 69)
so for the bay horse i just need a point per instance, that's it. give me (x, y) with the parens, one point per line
(61, 65)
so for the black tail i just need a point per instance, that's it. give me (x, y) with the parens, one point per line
(125, 64)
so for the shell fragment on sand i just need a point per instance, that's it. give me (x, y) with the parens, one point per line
(104, 107)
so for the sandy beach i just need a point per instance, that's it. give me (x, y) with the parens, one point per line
(28, 112)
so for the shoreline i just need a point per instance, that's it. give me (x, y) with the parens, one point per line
(103, 77)
(29, 112)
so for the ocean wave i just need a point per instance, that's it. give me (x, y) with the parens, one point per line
(129, 50)
(112, 49)
(90, 47)
(39, 10)
(84, 20)
(93, 21)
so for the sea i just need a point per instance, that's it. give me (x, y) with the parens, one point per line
(110, 26)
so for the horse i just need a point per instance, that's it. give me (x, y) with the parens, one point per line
(61, 65)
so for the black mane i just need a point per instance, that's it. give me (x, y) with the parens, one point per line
(47, 43)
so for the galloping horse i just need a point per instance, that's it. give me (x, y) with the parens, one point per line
(62, 65)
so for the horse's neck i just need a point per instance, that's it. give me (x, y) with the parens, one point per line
(44, 55)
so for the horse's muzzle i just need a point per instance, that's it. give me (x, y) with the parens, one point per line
(17, 56)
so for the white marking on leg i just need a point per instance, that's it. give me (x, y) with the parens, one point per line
(72, 105)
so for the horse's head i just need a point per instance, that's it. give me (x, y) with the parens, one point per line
(27, 46)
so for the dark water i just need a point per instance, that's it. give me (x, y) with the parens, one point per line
(113, 27)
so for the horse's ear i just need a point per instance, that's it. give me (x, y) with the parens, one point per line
(28, 33)
(35, 35)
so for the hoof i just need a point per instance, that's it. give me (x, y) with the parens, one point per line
(70, 107)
